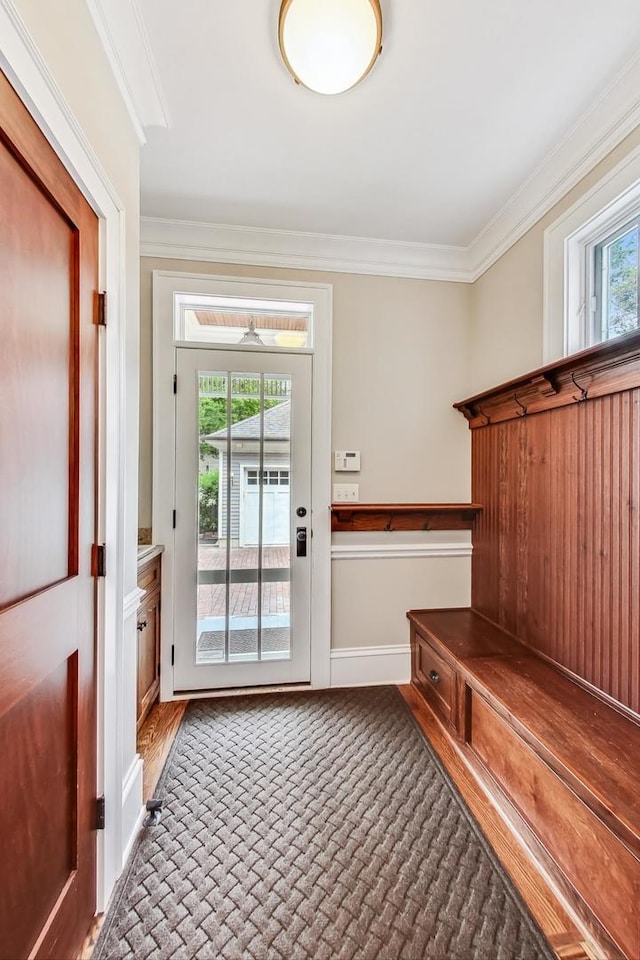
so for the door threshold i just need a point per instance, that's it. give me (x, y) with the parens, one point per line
(242, 691)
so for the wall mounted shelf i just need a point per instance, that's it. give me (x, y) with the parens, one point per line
(609, 367)
(403, 516)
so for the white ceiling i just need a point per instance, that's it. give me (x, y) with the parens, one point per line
(466, 101)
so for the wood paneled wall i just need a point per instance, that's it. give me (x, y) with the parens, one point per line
(557, 547)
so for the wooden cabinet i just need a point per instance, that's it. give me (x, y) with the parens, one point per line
(148, 634)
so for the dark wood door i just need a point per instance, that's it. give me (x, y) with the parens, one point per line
(48, 379)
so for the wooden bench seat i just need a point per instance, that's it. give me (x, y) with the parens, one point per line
(564, 762)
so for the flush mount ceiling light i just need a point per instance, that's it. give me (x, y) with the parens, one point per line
(330, 45)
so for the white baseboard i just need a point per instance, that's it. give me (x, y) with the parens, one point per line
(132, 807)
(368, 666)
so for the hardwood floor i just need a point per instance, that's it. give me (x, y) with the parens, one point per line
(567, 940)
(155, 737)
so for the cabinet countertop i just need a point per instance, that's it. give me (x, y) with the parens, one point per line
(148, 551)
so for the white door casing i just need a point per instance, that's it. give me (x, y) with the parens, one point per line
(165, 285)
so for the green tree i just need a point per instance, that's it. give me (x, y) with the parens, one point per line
(622, 293)
(208, 502)
(213, 415)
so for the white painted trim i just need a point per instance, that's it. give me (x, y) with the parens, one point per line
(371, 666)
(612, 198)
(321, 294)
(23, 64)
(221, 243)
(609, 119)
(132, 601)
(399, 551)
(132, 810)
(120, 27)
(612, 116)
(128, 847)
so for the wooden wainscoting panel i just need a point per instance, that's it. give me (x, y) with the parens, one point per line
(556, 557)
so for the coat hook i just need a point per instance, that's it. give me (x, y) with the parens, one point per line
(388, 526)
(584, 391)
(522, 412)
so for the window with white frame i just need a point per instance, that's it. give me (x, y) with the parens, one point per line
(614, 300)
(592, 261)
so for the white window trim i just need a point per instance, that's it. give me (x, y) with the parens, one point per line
(568, 270)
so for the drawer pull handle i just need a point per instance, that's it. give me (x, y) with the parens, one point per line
(434, 676)
(141, 625)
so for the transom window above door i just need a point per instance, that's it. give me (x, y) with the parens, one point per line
(242, 321)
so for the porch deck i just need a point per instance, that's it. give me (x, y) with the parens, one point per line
(243, 597)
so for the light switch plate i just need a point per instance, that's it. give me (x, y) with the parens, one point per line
(348, 460)
(346, 492)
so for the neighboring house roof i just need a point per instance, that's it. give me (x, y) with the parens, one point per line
(277, 426)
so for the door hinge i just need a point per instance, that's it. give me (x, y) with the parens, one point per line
(100, 813)
(101, 319)
(98, 560)
(174, 519)
(173, 655)
(175, 383)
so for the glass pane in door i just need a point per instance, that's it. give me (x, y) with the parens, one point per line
(244, 525)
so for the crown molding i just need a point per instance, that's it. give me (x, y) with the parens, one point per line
(257, 246)
(121, 30)
(610, 118)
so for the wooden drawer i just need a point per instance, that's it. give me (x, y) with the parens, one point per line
(597, 864)
(149, 574)
(435, 677)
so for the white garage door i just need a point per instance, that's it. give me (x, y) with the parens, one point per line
(275, 507)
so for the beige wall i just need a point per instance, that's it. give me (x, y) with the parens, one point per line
(370, 598)
(400, 359)
(506, 302)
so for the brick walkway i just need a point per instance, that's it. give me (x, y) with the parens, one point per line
(243, 599)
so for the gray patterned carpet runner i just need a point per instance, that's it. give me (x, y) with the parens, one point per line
(313, 826)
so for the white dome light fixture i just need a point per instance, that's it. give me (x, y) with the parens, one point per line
(330, 45)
